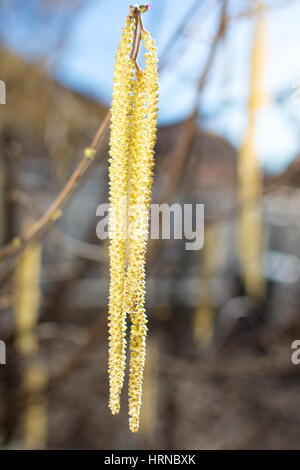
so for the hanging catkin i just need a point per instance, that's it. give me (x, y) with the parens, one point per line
(26, 307)
(250, 176)
(133, 134)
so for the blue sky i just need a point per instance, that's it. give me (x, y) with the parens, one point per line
(86, 63)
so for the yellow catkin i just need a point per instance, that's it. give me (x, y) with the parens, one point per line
(118, 173)
(26, 307)
(250, 177)
(133, 134)
(142, 161)
(211, 263)
(26, 299)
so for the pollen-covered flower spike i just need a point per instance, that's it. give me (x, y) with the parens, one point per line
(141, 167)
(118, 175)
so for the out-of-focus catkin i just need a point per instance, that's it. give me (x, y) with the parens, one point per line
(35, 377)
(133, 134)
(144, 132)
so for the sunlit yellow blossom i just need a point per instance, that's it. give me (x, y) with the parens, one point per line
(133, 134)
(118, 173)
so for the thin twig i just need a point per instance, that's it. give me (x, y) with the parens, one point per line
(275, 183)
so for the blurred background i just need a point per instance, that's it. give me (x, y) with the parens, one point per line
(222, 319)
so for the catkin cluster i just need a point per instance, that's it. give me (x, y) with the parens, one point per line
(133, 134)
